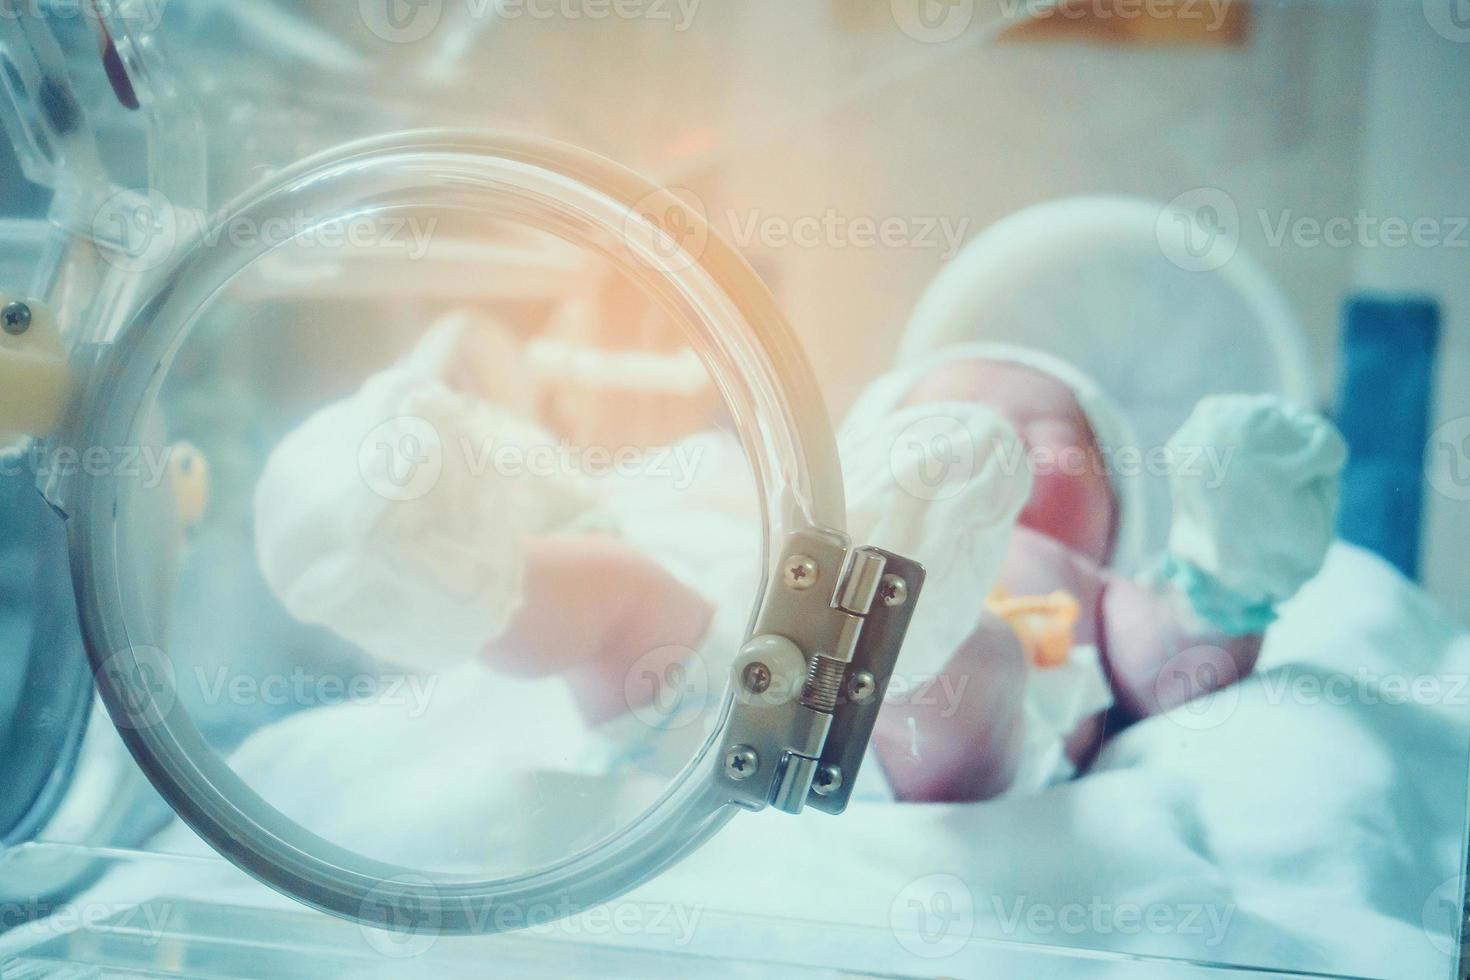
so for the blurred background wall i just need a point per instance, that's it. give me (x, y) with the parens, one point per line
(1416, 162)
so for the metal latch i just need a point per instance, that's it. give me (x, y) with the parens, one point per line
(809, 686)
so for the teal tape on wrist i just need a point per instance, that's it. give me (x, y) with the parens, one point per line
(1223, 608)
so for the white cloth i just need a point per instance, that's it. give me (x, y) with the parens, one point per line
(396, 517)
(1259, 515)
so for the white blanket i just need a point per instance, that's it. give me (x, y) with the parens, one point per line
(1310, 818)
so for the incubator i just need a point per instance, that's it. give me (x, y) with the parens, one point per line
(430, 549)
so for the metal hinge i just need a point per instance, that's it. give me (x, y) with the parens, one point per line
(809, 686)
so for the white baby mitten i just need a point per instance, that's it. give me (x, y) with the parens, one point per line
(1255, 487)
(396, 517)
(941, 483)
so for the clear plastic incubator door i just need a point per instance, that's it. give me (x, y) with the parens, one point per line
(358, 468)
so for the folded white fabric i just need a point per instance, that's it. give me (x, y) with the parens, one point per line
(396, 517)
(1255, 483)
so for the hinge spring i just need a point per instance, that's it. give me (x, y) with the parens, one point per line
(824, 684)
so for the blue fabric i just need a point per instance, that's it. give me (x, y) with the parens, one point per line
(1389, 348)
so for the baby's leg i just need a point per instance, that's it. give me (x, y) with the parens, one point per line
(592, 606)
(958, 738)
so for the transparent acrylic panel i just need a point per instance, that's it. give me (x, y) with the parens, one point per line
(456, 506)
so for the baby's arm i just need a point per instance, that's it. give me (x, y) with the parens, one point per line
(959, 738)
(1157, 655)
(592, 606)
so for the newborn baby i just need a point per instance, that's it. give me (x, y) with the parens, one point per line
(1246, 535)
(587, 604)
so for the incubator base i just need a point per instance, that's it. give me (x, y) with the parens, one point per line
(219, 941)
(254, 933)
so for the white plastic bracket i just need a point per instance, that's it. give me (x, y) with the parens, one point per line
(35, 377)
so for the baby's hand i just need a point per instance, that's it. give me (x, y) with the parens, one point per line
(938, 482)
(392, 518)
(1255, 483)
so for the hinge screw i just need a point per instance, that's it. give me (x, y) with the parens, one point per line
(828, 781)
(15, 318)
(893, 590)
(801, 573)
(741, 762)
(757, 678)
(862, 686)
